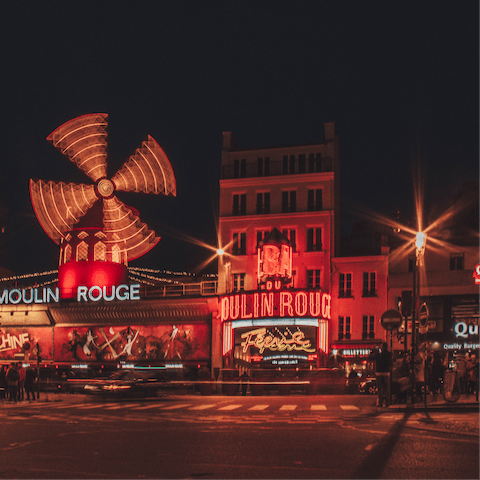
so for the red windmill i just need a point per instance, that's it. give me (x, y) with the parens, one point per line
(98, 234)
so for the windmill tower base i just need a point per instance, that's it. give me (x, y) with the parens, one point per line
(73, 274)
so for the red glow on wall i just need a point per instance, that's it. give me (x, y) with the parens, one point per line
(103, 274)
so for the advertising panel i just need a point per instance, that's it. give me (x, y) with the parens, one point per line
(134, 343)
(17, 344)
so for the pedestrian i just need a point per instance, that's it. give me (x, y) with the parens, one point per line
(21, 382)
(462, 372)
(30, 382)
(383, 362)
(244, 381)
(12, 382)
(472, 371)
(438, 371)
(3, 382)
(419, 366)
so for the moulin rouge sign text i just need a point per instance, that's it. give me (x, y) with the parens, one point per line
(286, 303)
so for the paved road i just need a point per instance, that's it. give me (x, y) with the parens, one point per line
(231, 437)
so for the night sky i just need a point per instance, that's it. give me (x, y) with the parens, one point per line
(399, 79)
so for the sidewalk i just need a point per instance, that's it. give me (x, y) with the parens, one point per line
(466, 402)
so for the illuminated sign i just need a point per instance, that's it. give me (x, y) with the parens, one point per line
(262, 339)
(11, 342)
(463, 330)
(460, 346)
(286, 303)
(476, 274)
(47, 295)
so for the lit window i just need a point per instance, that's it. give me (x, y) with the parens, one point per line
(67, 253)
(82, 235)
(345, 285)
(369, 284)
(99, 252)
(82, 252)
(368, 327)
(314, 239)
(344, 328)
(116, 255)
(238, 282)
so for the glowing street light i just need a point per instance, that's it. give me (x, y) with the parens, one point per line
(420, 242)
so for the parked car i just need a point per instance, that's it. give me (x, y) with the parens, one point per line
(368, 386)
(130, 383)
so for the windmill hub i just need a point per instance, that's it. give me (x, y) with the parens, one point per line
(105, 187)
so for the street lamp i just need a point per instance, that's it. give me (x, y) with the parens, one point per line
(420, 242)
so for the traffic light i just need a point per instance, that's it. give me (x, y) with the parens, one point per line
(407, 301)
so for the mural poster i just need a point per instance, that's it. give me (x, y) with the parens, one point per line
(133, 343)
(18, 344)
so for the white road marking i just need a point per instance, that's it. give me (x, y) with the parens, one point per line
(259, 407)
(319, 407)
(349, 407)
(288, 407)
(202, 407)
(230, 407)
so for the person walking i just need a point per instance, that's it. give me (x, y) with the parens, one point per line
(383, 362)
(30, 382)
(21, 382)
(12, 382)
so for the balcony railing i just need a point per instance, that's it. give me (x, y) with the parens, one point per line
(253, 169)
(181, 290)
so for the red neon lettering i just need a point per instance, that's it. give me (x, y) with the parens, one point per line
(244, 308)
(267, 305)
(234, 307)
(315, 304)
(255, 304)
(286, 303)
(301, 304)
(326, 306)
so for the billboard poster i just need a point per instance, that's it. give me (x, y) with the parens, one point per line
(17, 344)
(177, 343)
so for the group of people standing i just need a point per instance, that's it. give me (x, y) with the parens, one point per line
(16, 382)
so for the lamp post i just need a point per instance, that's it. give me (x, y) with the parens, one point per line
(420, 241)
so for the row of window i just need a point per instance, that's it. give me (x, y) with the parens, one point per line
(99, 252)
(314, 279)
(289, 202)
(345, 324)
(314, 240)
(289, 165)
(457, 261)
(369, 284)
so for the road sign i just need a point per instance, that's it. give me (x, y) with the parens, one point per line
(391, 319)
(423, 315)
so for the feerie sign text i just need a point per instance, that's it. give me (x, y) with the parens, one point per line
(287, 303)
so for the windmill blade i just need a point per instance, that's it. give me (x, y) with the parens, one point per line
(124, 228)
(58, 205)
(84, 141)
(148, 170)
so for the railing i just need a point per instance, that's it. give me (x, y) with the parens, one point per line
(182, 290)
(280, 167)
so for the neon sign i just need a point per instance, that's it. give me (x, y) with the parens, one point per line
(93, 294)
(261, 339)
(285, 303)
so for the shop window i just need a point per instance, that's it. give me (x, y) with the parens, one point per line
(315, 200)
(289, 201)
(314, 239)
(314, 278)
(238, 282)
(263, 202)
(368, 327)
(239, 204)
(456, 261)
(344, 328)
(82, 252)
(239, 246)
(345, 285)
(369, 284)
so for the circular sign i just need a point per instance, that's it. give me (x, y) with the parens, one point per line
(423, 315)
(391, 319)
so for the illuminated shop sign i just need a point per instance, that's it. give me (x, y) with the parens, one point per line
(464, 330)
(85, 294)
(461, 346)
(286, 303)
(287, 340)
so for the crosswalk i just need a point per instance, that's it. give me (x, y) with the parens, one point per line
(182, 406)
